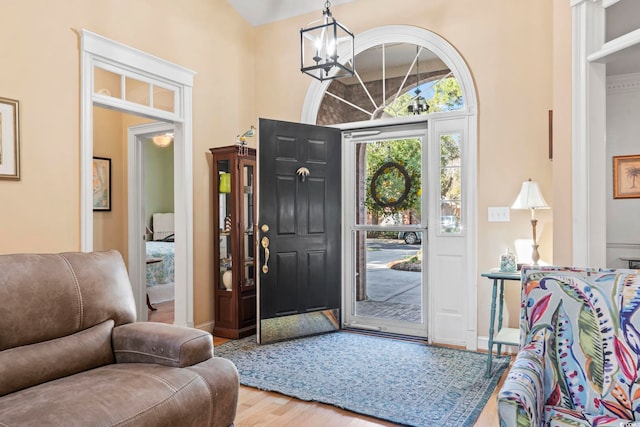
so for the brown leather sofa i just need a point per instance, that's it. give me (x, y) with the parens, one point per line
(71, 353)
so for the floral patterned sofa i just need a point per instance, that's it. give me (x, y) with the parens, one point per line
(579, 357)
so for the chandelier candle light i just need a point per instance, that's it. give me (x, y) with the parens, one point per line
(530, 197)
(320, 46)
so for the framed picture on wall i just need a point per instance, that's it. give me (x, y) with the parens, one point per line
(9, 140)
(101, 184)
(626, 177)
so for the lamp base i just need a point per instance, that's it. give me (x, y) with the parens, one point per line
(535, 256)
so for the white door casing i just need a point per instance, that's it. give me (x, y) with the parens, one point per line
(100, 52)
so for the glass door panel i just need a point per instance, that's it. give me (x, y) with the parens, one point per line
(223, 168)
(450, 184)
(388, 279)
(388, 291)
(388, 180)
(247, 227)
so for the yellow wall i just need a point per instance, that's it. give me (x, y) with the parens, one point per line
(110, 227)
(562, 206)
(110, 139)
(244, 73)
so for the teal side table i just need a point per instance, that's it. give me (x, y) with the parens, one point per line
(507, 336)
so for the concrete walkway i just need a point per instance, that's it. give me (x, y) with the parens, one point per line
(391, 294)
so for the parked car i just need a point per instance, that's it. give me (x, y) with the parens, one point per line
(410, 237)
(448, 224)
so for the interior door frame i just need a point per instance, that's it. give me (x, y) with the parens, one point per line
(95, 50)
(136, 215)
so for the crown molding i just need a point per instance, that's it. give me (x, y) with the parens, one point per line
(623, 83)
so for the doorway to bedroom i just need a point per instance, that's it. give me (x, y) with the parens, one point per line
(152, 186)
(159, 221)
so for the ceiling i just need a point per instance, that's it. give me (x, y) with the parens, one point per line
(260, 12)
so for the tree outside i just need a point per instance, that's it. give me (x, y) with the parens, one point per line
(442, 95)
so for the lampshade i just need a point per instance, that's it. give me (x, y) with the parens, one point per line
(530, 197)
(321, 46)
(162, 140)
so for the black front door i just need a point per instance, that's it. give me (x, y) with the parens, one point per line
(299, 238)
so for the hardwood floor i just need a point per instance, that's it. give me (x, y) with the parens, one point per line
(163, 312)
(258, 408)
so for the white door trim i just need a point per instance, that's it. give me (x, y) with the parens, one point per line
(96, 49)
(588, 133)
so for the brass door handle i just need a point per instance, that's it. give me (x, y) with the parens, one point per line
(265, 245)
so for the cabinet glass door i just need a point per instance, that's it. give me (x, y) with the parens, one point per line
(224, 224)
(248, 216)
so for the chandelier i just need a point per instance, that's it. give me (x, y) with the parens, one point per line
(320, 45)
(418, 104)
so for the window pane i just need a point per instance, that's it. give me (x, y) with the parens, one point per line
(137, 91)
(395, 79)
(450, 184)
(388, 176)
(106, 83)
(163, 99)
(380, 262)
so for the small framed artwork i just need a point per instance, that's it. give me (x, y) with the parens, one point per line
(101, 184)
(626, 177)
(9, 139)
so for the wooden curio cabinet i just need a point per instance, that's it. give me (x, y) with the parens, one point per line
(234, 266)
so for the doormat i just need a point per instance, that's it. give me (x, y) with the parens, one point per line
(403, 382)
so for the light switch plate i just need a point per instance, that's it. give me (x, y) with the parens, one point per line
(498, 214)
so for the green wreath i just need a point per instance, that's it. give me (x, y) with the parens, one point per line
(384, 185)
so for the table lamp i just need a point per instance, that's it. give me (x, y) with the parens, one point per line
(530, 197)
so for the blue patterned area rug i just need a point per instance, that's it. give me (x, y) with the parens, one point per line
(403, 382)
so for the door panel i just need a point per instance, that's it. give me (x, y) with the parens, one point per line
(300, 289)
(451, 306)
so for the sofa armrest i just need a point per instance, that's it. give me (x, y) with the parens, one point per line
(222, 378)
(520, 400)
(161, 343)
